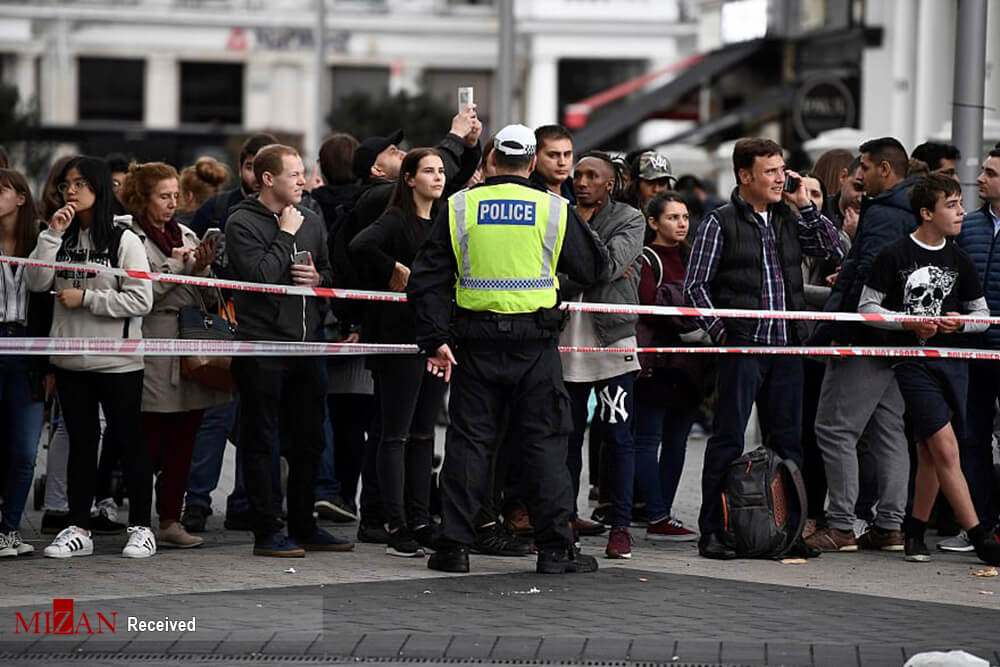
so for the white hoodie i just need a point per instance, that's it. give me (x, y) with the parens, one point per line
(108, 304)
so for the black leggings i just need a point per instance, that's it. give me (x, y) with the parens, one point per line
(120, 394)
(408, 401)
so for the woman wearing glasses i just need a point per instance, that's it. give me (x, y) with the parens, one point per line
(97, 305)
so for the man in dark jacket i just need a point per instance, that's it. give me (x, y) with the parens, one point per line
(980, 232)
(860, 395)
(748, 254)
(272, 240)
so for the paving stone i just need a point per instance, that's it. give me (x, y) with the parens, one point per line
(606, 648)
(381, 645)
(291, 643)
(697, 651)
(835, 655)
(561, 648)
(516, 648)
(743, 652)
(779, 653)
(658, 649)
(336, 644)
(874, 655)
(244, 642)
(200, 642)
(425, 645)
(471, 646)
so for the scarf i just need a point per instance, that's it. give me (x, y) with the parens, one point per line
(166, 239)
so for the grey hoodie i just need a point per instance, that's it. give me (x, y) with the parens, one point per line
(260, 252)
(621, 228)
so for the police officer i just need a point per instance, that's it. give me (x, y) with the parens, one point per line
(494, 252)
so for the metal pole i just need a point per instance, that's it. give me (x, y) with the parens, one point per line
(970, 88)
(321, 77)
(505, 64)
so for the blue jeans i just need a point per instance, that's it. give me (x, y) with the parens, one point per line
(775, 383)
(615, 406)
(327, 483)
(22, 417)
(209, 449)
(664, 412)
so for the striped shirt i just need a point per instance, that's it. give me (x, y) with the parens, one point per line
(13, 295)
(817, 237)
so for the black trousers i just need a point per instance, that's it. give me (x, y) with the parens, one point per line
(351, 417)
(409, 399)
(285, 393)
(976, 447)
(524, 381)
(120, 394)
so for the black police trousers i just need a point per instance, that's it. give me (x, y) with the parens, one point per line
(520, 384)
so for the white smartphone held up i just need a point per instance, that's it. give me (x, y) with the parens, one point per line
(465, 98)
(302, 258)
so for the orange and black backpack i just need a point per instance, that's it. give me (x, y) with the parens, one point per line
(763, 505)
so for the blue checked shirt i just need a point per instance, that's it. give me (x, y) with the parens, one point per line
(817, 237)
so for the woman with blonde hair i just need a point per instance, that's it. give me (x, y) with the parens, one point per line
(172, 405)
(199, 182)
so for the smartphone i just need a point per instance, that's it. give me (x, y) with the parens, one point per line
(302, 258)
(792, 184)
(214, 233)
(465, 98)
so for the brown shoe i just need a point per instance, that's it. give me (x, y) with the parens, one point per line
(831, 539)
(883, 540)
(518, 522)
(810, 529)
(586, 527)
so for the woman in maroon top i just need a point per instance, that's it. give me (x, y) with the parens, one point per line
(668, 390)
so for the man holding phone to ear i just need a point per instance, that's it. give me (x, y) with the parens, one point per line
(274, 240)
(748, 254)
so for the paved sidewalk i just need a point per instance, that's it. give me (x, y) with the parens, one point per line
(665, 605)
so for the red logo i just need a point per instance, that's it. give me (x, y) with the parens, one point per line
(63, 621)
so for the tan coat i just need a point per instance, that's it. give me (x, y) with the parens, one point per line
(164, 390)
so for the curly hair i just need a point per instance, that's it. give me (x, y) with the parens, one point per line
(138, 185)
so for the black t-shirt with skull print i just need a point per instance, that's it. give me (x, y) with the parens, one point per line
(922, 281)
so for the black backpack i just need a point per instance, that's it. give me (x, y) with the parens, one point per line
(763, 505)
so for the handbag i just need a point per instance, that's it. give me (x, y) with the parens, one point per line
(200, 324)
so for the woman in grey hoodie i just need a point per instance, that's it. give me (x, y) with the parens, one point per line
(97, 305)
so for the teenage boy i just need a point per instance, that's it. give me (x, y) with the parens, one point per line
(926, 274)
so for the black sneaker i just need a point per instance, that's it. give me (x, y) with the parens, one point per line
(402, 543)
(988, 550)
(195, 517)
(493, 540)
(915, 549)
(372, 533)
(106, 521)
(237, 521)
(452, 559)
(427, 536)
(54, 523)
(602, 514)
(335, 509)
(564, 561)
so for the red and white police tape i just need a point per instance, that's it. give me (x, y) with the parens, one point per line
(167, 347)
(575, 306)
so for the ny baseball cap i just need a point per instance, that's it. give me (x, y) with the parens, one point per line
(368, 150)
(653, 166)
(515, 140)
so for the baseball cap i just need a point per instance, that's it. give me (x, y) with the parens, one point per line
(368, 150)
(515, 140)
(653, 166)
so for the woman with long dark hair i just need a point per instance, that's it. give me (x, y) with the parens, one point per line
(21, 378)
(97, 305)
(407, 398)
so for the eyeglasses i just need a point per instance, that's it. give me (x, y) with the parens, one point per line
(75, 186)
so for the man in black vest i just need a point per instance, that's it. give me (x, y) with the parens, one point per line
(748, 254)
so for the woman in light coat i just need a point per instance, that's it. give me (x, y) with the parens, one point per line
(172, 405)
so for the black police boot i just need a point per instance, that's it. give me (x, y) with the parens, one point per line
(564, 561)
(493, 540)
(453, 558)
(709, 546)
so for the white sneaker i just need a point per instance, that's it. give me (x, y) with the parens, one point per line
(7, 548)
(70, 542)
(958, 543)
(141, 543)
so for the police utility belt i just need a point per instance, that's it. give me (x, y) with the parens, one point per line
(543, 324)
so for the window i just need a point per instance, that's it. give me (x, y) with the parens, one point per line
(211, 93)
(373, 81)
(111, 89)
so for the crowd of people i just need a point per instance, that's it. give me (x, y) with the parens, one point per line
(886, 445)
